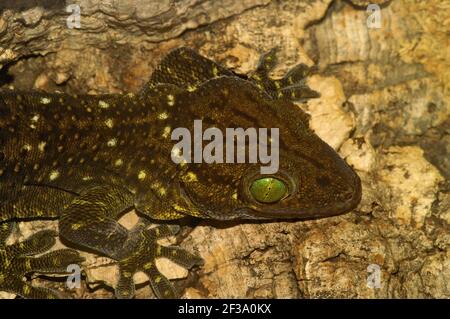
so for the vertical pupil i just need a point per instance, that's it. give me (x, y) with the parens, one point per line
(268, 190)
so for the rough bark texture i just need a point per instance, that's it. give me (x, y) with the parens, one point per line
(384, 106)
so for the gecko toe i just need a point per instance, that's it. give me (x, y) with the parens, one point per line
(297, 74)
(266, 63)
(125, 288)
(56, 261)
(180, 256)
(161, 286)
(35, 244)
(297, 93)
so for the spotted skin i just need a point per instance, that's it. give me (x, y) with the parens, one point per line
(17, 260)
(88, 159)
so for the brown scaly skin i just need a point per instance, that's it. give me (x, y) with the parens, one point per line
(88, 159)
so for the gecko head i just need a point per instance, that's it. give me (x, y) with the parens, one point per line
(305, 177)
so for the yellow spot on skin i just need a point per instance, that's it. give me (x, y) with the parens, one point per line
(41, 146)
(87, 178)
(190, 177)
(234, 196)
(178, 208)
(215, 71)
(103, 104)
(76, 226)
(158, 279)
(256, 77)
(162, 191)
(28, 264)
(26, 290)
(191, 88)
(163, 116)
(148, 266)
(166, 132)
(53, 175)
(158, 250)
(27, 147)
(112, 142)
(109, 123)
(118, 162)
(142, 174)
(183, 163)
(46, 100)
(34, 119)
(170, 99)
(155, 185)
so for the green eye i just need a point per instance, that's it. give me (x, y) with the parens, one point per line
(268, 190)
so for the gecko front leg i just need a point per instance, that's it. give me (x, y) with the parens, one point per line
(18, 260)
(291, 87)
(91, 221)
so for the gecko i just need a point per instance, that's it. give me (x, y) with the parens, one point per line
(86, 160)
